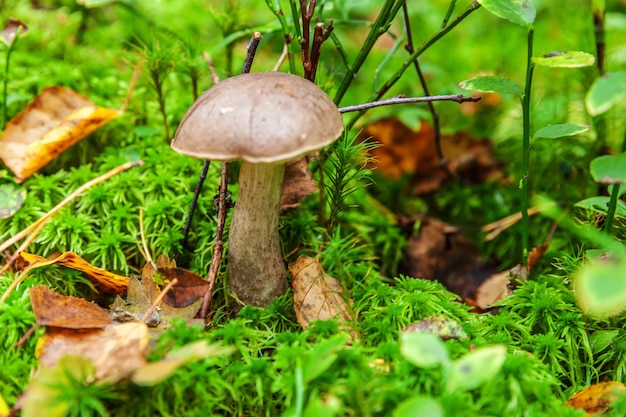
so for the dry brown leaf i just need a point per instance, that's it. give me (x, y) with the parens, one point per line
(597, 399)
(298, 183)
(57, 119)
(115, 351)
(316, 296)
(106, 280)
(10, 30)
(188, 290)
(54, 309)
(408, 152)
(440, 252)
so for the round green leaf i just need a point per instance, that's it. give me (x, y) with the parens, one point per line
(600, 288)
(609, 169)
(560, 59)
(560, 130)
(600, 204)
(11, 199)
(605, 92)
(520, 12)
(475, 368)
(490, 84)
(419, 406)
(423, 350)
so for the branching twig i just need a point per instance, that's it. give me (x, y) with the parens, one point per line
(443, 162)
(459, 98)
(252, 45)
(311, 51)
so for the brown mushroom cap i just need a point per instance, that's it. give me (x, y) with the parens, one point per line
(259, 117)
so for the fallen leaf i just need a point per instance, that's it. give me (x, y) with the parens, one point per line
(298, 183)
(598, 398)
(54, 309)
(536, 254)
(317, 296)
(493, 289)
(106, 280)
(57, 119)
(438, 251)
(11, 199)
(442, 326)
(407, 152)
(115, 351)
(11, 29)
(188, 290)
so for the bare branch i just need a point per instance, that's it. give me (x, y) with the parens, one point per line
(459, 98)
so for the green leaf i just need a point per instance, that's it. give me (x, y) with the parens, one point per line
(419, 406)
(605, 92)
(520, 12)
(423, 350)
(490, 84)
(560, 59)
(560, 130)
(11, 199)
(475, 368)
(602, 339)
(609, 169)
(600, 204)
(323, 356)
(600, 288)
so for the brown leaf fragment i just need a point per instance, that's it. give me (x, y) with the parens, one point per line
(438, 251)
(439, 325)
(408, 152)
(11, 29)
(536, 254)
(317, 296)
(298, 183)
(54, 309)
(189, 289)
(597, 399)
(115, 351)
(56, 119)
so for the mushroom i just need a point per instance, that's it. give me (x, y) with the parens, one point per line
(265, 119)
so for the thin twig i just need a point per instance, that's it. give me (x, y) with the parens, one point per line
(218, 246)
(67, 200)
(209, 63)
(459, 98)
(192, 206)
(158, 300)
(252, 45)
(281, 58)
(23, 246)
(443, 162)
(320, 35)
(131, 87)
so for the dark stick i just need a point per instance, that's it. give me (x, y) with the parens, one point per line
(459, 98)
(252, 45)
(218, 246)
(194, 203)
(222, 205)
(443, 162)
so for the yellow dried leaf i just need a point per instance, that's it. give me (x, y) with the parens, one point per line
(57, 119)
(597, 399)
(108, 281)
(316, 296)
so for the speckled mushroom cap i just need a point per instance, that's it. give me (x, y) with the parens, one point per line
(259, 117)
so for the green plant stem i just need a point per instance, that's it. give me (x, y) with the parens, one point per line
(398, 74)
(274, 6)
(384, 19)
(610, 213)
(526, 146)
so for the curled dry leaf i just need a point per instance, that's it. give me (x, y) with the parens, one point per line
(106, 280)
(597, 399)
(298, 183)
(56, 310)
(316, 296)
(54, 121)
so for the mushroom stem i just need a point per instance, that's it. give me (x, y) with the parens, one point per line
(256, 269)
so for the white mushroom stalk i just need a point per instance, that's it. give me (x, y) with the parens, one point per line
(265, 119)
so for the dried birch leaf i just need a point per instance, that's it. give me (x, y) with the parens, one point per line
(54, 309)
(317, 296)
(57, 119)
